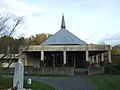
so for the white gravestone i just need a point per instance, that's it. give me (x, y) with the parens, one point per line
(18, 75)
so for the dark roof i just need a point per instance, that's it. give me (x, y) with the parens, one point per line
(63, 37)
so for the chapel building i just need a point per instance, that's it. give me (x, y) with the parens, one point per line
(64, 49)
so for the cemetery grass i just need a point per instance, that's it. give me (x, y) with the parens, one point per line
(6, 83)
(105, 82)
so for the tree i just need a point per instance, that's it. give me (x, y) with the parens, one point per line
(8, 25)
(37, 39)
(102, 43)
(14, 44)
(116, 54)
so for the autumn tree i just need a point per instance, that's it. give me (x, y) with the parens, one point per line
(37, 39)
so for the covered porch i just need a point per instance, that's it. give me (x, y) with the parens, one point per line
(64, 56)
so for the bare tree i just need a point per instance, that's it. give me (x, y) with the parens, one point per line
(8, 25)
(3, 24)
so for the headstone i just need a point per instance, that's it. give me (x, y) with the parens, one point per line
(18, 75)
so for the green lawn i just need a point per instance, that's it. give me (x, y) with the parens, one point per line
(106, 82)
(38, 86)
(6, 83)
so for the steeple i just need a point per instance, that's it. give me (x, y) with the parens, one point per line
(63, 22)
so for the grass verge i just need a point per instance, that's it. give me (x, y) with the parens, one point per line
(106, 82)
(6, 83)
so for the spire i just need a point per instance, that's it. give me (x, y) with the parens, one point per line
(63, 22)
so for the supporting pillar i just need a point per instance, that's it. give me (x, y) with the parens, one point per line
(42, 58)
(42, 55)
(74, 61)
(87, 56)
(53, 60)
(97, 58)
(25, 58)
(93, 60)
(102, 57)
(90, 62)
(64, 57)
(109, 56)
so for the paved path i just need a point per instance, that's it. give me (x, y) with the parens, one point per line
(78, 82)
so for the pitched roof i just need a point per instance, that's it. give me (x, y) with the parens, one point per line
(63, 37)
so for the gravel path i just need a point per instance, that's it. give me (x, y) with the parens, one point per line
(78, 82)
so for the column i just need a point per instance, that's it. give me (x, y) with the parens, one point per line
(97, 58)
(53, 60)
(64, 57)
(87, 56)
(102, 57)
(42, 59)
(42, 55)
(93, 60)
(109, 56)
(25, 58)
(74, 61)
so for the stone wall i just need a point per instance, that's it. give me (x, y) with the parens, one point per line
(42, 70)
(95, 70)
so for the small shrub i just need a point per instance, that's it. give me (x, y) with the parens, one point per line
(112, 69)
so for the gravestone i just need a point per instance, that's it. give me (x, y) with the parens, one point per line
(18, 75)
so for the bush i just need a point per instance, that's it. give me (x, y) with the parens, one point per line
(112, 69)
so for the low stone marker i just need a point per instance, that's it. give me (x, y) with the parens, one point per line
(29, 81)
(18, 75)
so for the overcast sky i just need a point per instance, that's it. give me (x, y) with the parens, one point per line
(93, 21)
